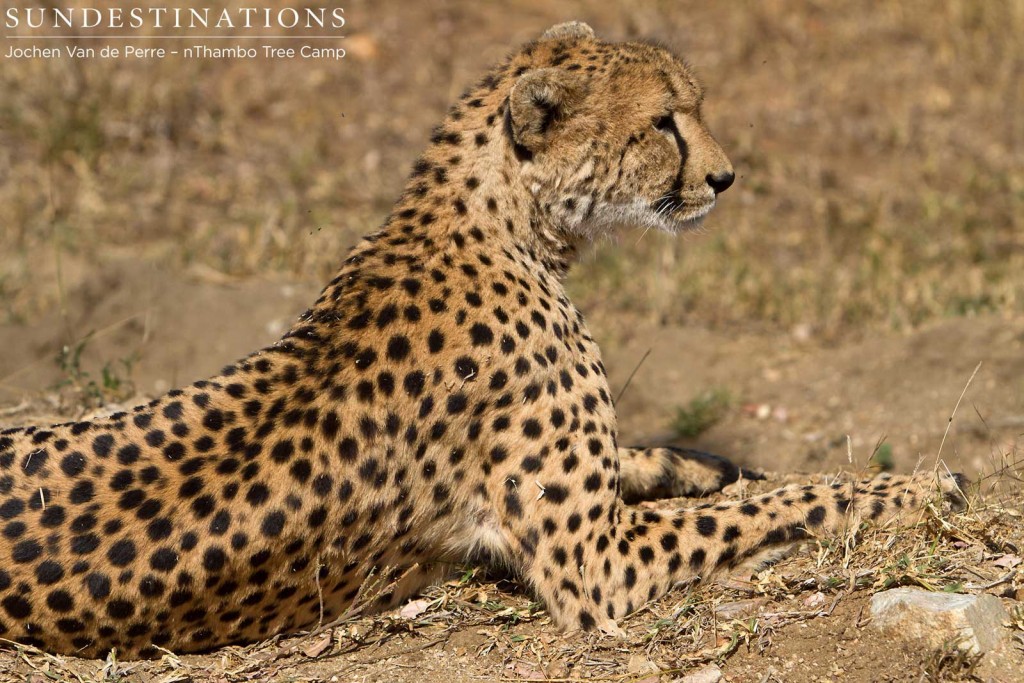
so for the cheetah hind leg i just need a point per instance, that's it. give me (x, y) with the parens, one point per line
(654, 473)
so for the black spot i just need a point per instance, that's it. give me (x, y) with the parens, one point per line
(466, 368)
(435, 341)
(706, 526)
(414, 383)
(121, 553)
(17, 607)
(532, 429)
(73, 464)
(98, 585)
(273, 524)
(102, 444)
(348, 450)
(257, 495)
(34, 461)
(191, 487)
(189, 540)
(214, 559)
(163, 559)
(15, 530)
(322, 484)
(481, 334)
(398, 347)
(213, 420)
(72, 626)
(697, 558)
(282, 451)
(457, 403)
(11, 508)
(556, 493)
(629, 576)
(816, 516)
(49, 572)
(26, 551)
(174, 411)
(159, 529)
(411, 285)
(365, 358)
(301, 470)
(60, 601)
(120, 609)
(329, 425)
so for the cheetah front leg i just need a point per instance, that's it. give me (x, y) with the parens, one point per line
(607, 560)
(664, 472)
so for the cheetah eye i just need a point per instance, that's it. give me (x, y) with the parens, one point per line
(665, 123)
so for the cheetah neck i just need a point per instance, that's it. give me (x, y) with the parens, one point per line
(470, 183)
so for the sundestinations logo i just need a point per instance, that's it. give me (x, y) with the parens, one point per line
(90, 18)
(167, 32)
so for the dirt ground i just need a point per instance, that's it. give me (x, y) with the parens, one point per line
(857, 303)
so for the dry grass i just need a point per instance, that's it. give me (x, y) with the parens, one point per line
(877, 147)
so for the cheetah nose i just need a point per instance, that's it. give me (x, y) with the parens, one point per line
(720, 182)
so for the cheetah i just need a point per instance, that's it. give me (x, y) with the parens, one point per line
(441, 402)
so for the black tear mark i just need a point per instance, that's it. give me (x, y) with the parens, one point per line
(674, 198)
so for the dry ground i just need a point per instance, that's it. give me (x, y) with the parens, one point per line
(158, 220)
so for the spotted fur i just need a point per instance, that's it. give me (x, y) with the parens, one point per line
(442, 400)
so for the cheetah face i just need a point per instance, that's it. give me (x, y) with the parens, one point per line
(612, 134)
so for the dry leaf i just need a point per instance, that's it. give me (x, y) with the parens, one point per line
(414, 608)
(1007, 561)
(317, 648)
(528, 671)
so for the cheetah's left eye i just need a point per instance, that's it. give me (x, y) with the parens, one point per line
(665, 123)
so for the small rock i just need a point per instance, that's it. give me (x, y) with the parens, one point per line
(814, 600)
(937, 618)
(707, 674)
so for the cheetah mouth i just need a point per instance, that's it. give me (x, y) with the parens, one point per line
(686, 215)
(680, 210)
(681, 215)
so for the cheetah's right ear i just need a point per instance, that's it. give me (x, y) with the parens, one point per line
(539, 102)
(570, 29)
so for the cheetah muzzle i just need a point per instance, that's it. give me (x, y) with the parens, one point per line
(441, 400)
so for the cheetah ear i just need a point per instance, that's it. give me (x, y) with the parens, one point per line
(570, 29)
(539, 102)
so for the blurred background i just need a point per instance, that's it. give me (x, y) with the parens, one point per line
(160, 218)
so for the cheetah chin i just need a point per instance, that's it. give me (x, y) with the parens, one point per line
(441, 402)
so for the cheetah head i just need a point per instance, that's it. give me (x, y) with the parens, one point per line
(610, 134)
